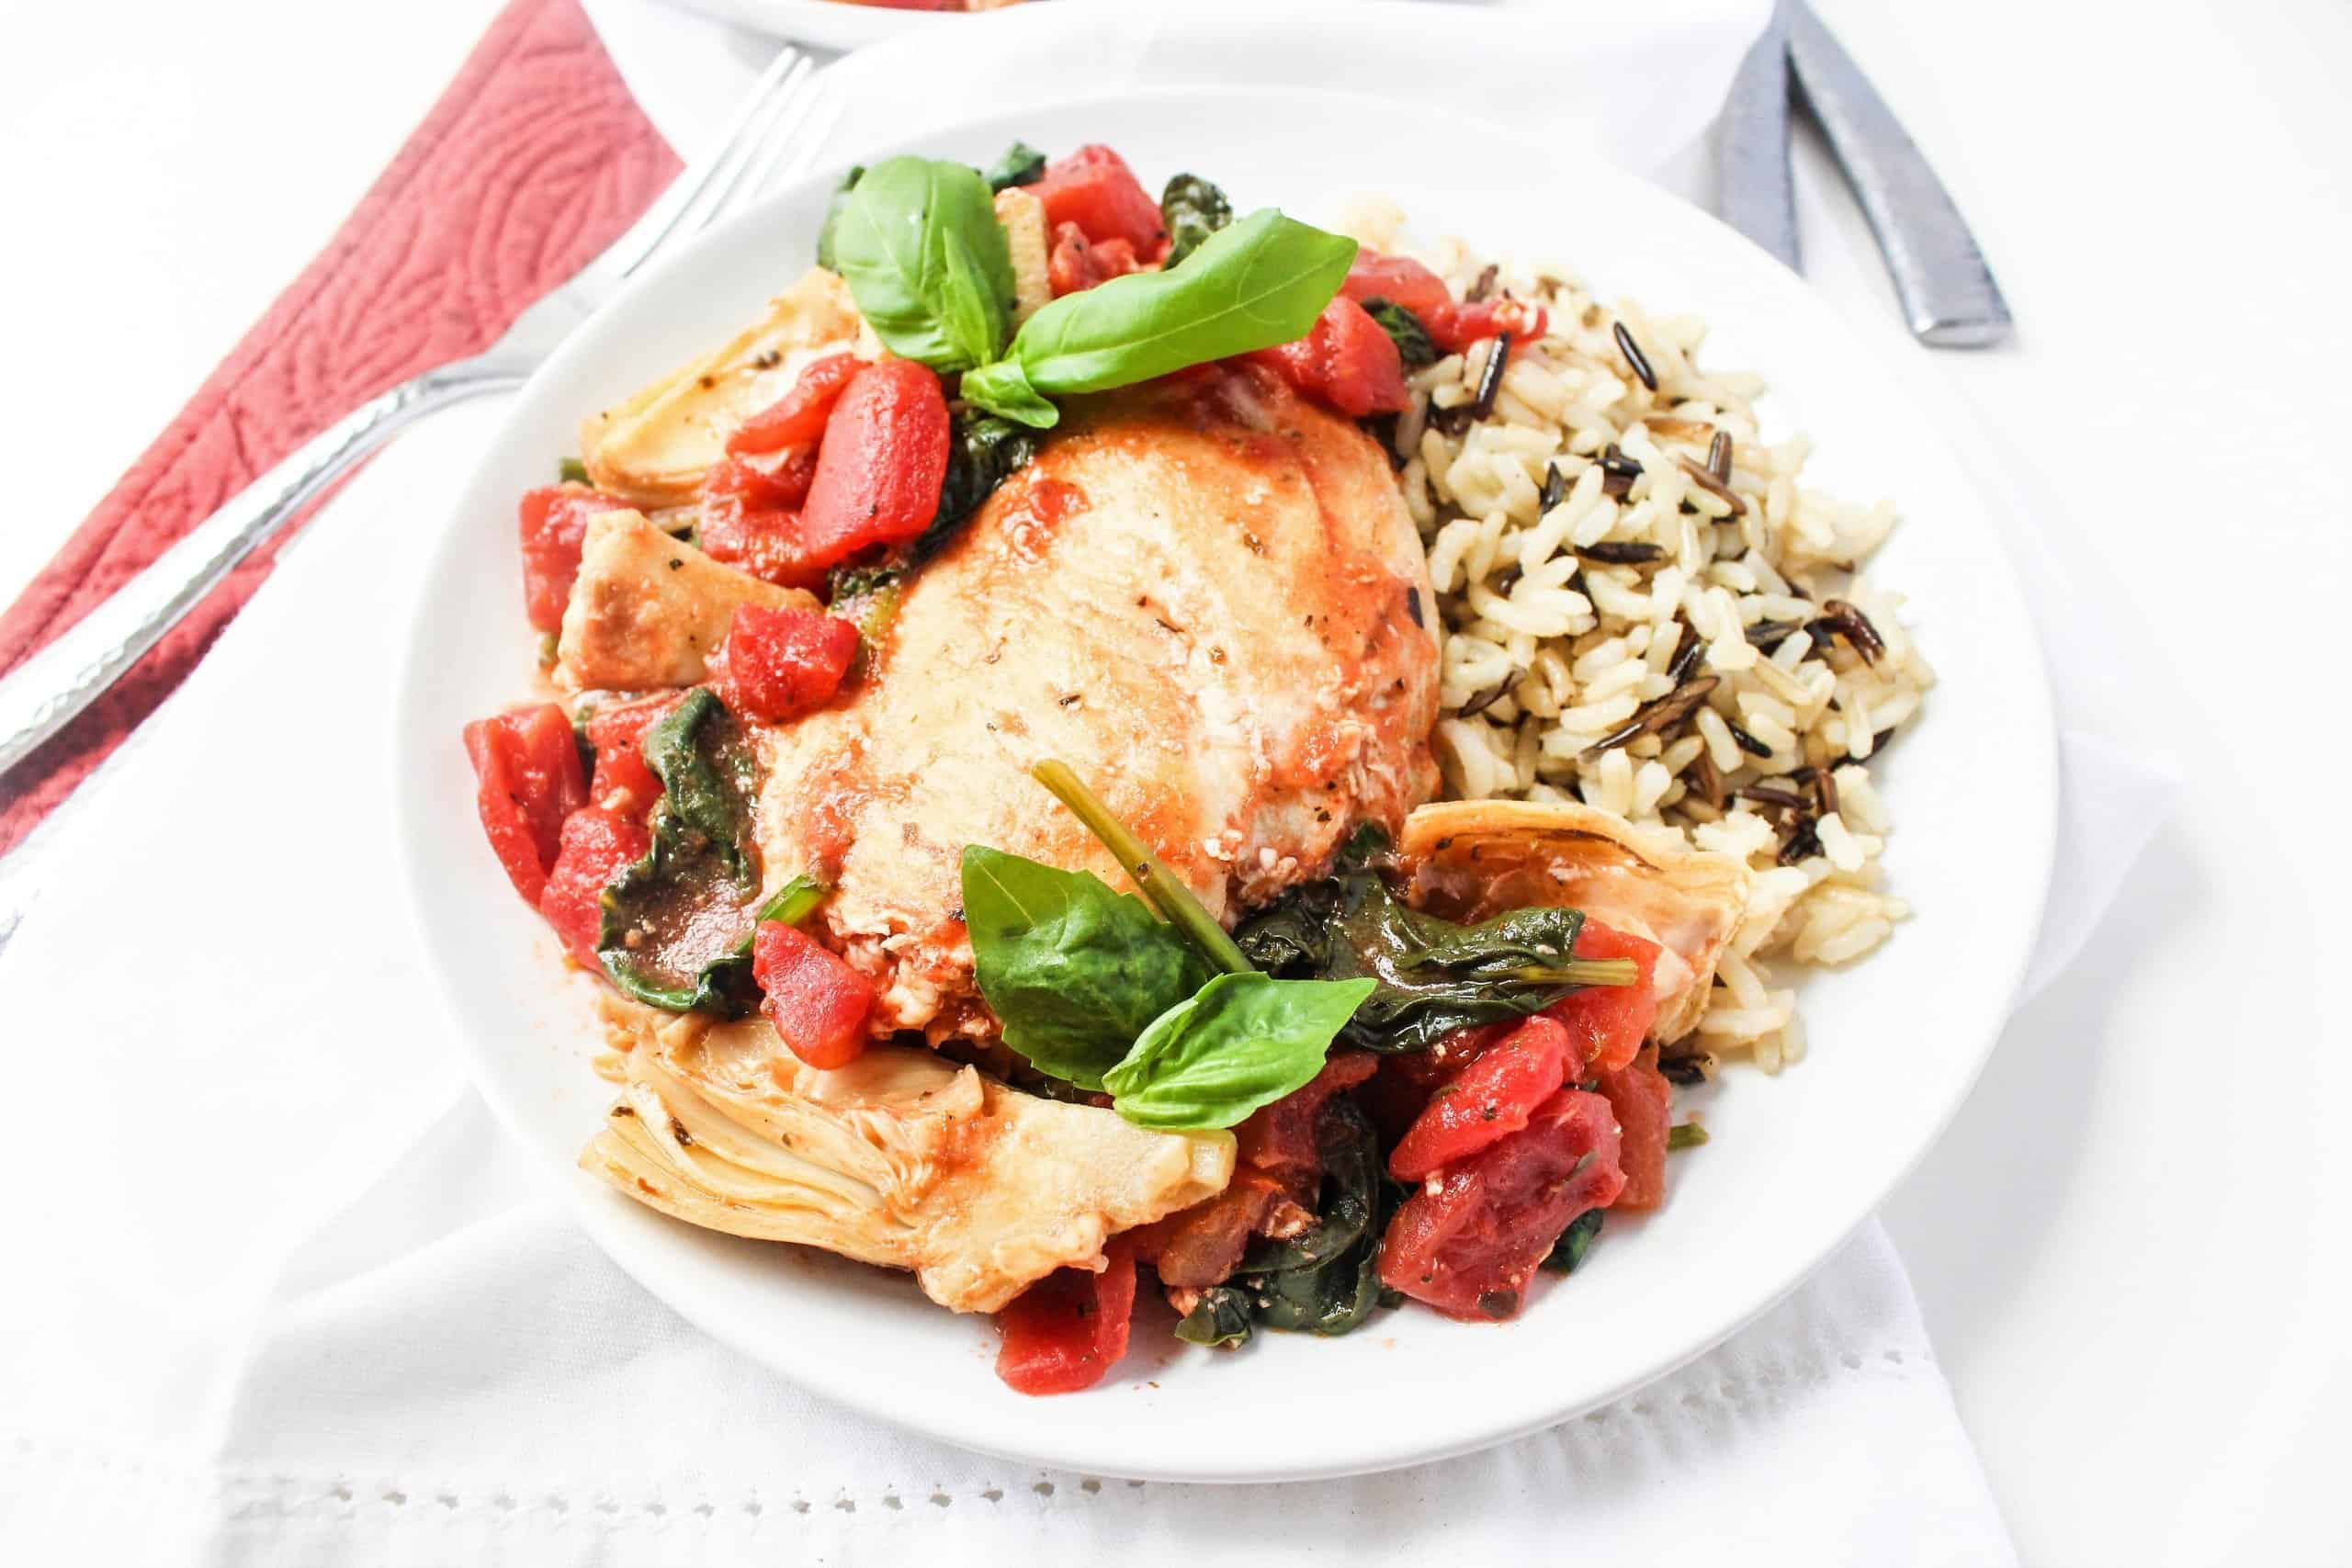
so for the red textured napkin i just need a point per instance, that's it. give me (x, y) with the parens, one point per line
(532, 161)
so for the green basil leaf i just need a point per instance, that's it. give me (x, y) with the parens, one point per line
(831, 226)
(1021, 165)
(1192, 210)
(918, 241)
(1260, 282)
(1073, 971)
(1003, 388)
(1241, 1041)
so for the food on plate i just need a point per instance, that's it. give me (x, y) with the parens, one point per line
(1110, 735)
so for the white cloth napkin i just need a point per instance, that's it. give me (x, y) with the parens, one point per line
(281, 1292)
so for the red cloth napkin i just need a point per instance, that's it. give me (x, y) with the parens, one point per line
(532, 161)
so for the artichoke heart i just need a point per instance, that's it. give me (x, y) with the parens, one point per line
(902, 1158)
(653, 448)
(648, 610)
(1469, 860)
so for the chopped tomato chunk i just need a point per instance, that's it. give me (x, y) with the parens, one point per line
(1467, 1242)
(554, 521)
(883, 461)
(1452, 324)
(1279, 1138)
(1203, 1245)
(1066, 1331)
(1093, 188)
(818, 1003)
(528, 779)
(1607, 1022)
(798, 417)
(622, 783)
(1643, 1102)
(596, 844)
(1398, 279)
(778, 664)
(751, 519)
(1347, 361)
(1487, 1100)
(1076, 264)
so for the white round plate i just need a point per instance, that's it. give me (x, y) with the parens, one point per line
(1796, 1162)
(836, 24)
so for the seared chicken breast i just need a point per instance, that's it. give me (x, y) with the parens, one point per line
(1205, 596)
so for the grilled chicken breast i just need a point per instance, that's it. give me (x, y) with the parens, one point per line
(1205, 596)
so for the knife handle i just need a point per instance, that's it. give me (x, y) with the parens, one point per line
(1947, 293)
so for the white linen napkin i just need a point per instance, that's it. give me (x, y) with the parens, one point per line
(282, 1292)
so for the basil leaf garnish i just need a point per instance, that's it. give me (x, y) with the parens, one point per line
(1241, 1041)
(918, 241)
(1257, 283)
(1073, 970)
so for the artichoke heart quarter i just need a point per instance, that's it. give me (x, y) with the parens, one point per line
(902, 1158)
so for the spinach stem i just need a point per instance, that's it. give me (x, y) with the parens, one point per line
(1579, 972)
(1160, 887)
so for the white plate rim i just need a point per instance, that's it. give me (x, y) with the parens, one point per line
(622, 1229)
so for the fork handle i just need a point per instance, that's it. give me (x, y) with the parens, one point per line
(41, 694)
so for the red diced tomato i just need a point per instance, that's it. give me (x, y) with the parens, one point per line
(798, 418)
(1607, 1022)
(751, 519)
(554, 522)
(1491, 1098)
(1347, 361)
(1279, 1138)
(528, 779)
(1397, 1094)
(1453, 326)
(1077, 264)
(1456, 327)
(1467, 1242)
(778, 664)
(883, 461)
(1643, 1102)
(1093, 188)
(623, 784)
(818, 1003)
(1203, 1245)
(596, 844)
(1066, 1331)
(1398, 279)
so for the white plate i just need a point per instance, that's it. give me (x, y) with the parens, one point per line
(836, 24)
(1796, 1162)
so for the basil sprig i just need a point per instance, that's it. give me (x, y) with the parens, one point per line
(1108, 991)
(1257, 283)
(918, 241)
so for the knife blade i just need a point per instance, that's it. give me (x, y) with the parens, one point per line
(1948, 296)
(1754, 191)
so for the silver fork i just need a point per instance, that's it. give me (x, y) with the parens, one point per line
(759, 148)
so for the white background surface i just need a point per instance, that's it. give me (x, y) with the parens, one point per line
(2131, 1247)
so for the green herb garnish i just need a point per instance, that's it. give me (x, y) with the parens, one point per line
(918, 241)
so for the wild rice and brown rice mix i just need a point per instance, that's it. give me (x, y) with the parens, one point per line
(1645, 611)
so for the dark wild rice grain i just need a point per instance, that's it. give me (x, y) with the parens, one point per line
(1657, 717)
(1634, 356)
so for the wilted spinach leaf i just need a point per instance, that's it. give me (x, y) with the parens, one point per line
(1414, 345)
(1073, 970)
(1192, 210)
(1220, 1317)
(1434, 976)
(676, 921)
(1021, 164)
(1241, 1041)
(1574, 1243)
(1327, 1279)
